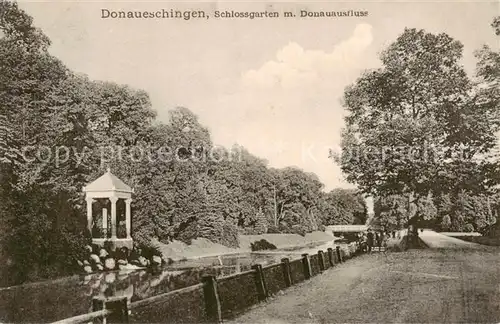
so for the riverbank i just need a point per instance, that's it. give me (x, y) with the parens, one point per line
(203, 248)
(41, 302)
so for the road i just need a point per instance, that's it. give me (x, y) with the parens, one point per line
(450, 282)
(437, 240)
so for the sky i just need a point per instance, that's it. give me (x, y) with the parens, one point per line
(271, 85)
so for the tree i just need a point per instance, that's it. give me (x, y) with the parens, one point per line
(185, 186)
(470, 210)
(488, 66)
(488, 89)
(39, 225)
(444, 209)
(343, 206)
(446, 223)
(426, 211)
(414, 125)
(295, 195)
(391, 212)
(261, 223)
(245, 184)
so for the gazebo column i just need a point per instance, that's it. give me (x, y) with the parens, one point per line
(113, 216)
(128, 222)
(89, 213)
(105, 222)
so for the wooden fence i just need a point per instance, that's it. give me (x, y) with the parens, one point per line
(215, 299)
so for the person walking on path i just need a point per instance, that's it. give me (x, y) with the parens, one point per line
(383, 241)
(380, 240)
(369, 240)
(362, 242)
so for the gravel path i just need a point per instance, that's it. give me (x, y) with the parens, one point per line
(437, 240)
(418, 286)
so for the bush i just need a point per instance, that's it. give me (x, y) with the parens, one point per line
(122, 253)
(299, 229)
(108, 246)
(284, 228)
(469, 228)
(446, 223)
(248, 231)
(148, 251)
(261, 223)
(209, 226)
(351, 237)
(214, 228)
(272, 229)
(262, 245)
(322, 228)
(230, 235)
(32, 260)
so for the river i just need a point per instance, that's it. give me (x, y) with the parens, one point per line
(53, 300)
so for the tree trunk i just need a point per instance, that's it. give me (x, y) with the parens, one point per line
(411, 233)
(408, 211)
(275, 208)
(280, 214)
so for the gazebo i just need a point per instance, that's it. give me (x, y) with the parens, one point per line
(108, 186)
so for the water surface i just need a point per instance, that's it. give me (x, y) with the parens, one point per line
(53, 300)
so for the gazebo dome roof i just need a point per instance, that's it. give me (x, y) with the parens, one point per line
(107, 182)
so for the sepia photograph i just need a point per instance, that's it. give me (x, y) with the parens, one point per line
(242, 161)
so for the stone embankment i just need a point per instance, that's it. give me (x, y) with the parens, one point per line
(100, 259)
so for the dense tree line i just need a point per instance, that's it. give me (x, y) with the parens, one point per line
(59, 131)
(420, 135)
(463, 212)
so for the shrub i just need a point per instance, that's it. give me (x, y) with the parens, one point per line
(230, 235)
(321, 228)
(214, 228)
(31, 261)
(469, 228)
(272, 229)
(148, 251)
(260, 223)
(284, 228)
(122, 253)
(301, 232)
(209, 226)
(351, 237)
(140, 249)
(446, 223)
(108, 246)
(299, 229)
(248, 231)
(262, 245)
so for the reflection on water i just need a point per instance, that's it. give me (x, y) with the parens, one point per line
(57, 299)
